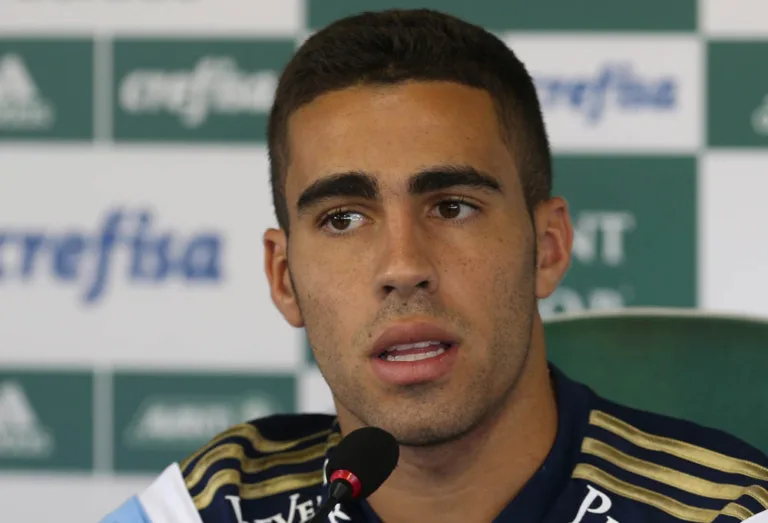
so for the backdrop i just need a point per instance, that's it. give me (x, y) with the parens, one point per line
(134, 314)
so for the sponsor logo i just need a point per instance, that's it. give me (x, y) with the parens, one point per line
(22, 107)
(595, 502)
(216, 85)
(614, 87)
(159, 417)
(86, 259)
(599, 236)
(620, 206)
(168, 422)
(298, 512)
(568, 300)
(21, 433)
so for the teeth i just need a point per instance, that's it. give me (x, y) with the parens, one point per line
(414, 357)
(408, 346)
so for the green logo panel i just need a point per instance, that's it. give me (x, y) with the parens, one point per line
(46, 89)
(195, 90)
(738, 94)
(634, 221)
(46, 420)
(163, 417)
(547, 15)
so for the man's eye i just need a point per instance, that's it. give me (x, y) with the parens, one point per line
(342, 221)
(454, 210)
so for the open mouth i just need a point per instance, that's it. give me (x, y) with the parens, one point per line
(408, 352)
(414, 352)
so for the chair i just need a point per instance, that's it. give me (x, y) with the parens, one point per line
(708, 368)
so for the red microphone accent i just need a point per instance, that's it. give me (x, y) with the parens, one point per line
(349, 478)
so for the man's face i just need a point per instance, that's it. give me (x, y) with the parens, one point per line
(409, 226)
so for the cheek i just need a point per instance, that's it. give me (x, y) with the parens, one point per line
(329, 294)
(484, 263)
(489, 279)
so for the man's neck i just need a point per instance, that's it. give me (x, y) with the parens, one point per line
(474, 478)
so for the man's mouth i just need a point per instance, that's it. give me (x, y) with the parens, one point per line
(413, 352)
(422, 350)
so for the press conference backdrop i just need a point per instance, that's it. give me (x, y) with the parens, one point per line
(134, 314)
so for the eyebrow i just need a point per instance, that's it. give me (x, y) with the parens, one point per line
(363, 185)
(355, 184)
(450, 176)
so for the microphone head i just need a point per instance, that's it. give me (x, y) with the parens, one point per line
(369, 454)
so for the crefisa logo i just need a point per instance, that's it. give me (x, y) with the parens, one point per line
(616, 86)
(126, 245)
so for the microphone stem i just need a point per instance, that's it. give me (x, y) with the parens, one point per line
(339, 490)
(321, 514)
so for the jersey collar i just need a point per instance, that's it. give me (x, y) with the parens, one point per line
(542, 490)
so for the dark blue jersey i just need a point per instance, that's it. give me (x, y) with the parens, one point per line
(609, 464)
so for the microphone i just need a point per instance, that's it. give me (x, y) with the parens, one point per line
(358, 466)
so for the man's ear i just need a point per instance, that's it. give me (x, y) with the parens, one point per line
(279, 276)
(554, 235)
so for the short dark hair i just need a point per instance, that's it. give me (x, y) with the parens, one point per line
(393, 46)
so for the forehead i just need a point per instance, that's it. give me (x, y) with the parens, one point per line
(394, 131)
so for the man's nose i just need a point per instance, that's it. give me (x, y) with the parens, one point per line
(407, 264)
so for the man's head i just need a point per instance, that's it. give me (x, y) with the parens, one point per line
(398, 46)
(411, 167)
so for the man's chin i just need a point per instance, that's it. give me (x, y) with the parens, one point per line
(424, 441)
(425, 434)
(423, 415)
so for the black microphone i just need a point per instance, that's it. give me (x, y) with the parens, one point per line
(358, 466)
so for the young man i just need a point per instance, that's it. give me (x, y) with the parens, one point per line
(412, 185)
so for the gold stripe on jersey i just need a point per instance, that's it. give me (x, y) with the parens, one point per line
(679, 449)
(255, 465)
(633, 492)
(668, 476)
(263, 489)
(736, 511)
(258, 441)
(759, 494)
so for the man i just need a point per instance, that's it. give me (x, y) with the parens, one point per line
(412, 184)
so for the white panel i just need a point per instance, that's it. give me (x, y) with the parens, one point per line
(37, 498)
(733, 251)
(735, 18)
(617, 93)
(163, 17)
(762, 517)
(192, 191)
(314, 393)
